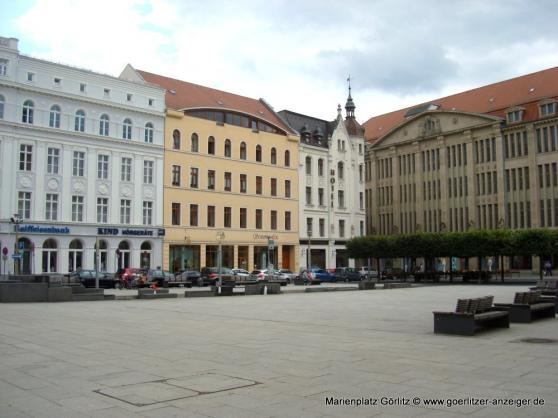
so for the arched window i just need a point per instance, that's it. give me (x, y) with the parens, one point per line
(123, 254)
(309, 165)
(227, 148)
(104, 125)
(320, 167)
(259, 153)
(148, 133)
(195, 143)
(101, 255)
(127, 129)
(287, 158)
(27, 114)
(340, 173)
(211, 145)
(145, 259)
(54, 119)
(273, 156)
(176, 139)
(243, 150)
(50, 256)
(79, 121)
(75, 255)
(23, 265)
(1, 107)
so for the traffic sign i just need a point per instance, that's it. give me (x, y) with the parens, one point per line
(17, 256)
(5, 251)
(21, 245)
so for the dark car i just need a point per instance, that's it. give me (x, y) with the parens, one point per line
(210, 276)
(185, 278)
(87, 279)
(160, 277)
(346, 274)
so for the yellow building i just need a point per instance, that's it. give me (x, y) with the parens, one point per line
(230, 178)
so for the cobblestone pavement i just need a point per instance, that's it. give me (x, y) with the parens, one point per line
(271, 356)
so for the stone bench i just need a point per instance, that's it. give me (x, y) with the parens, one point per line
(155, 294)
(528, 306)
(396, 285)
(198, 293)
(226, 290)
(366, 285)
(471, 315)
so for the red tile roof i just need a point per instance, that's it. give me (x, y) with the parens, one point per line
(193, 96)
(494, 99)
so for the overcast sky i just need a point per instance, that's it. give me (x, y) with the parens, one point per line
(298, 54)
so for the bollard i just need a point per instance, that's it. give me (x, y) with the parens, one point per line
(265, 290)
(219, 290)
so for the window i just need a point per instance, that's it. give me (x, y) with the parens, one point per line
(54, 117)
(287, 188)
(77, 208)
(547, 109)
(211, 216)
(24, 205)
(273, 156)
(102, 166)
(308, 166)
(193, 215)
(341, 228)
(273, 187)
(27, 113)
(211, 145)
(128, 97)
(102, 209)
(361, 200)
(243, 150)
(259, 185)
(147, 172)
(228, 182)
(106, 92)
(211, 179)
(1, 107)
(258, 219)
(341, 198)
(360, 172)
(308, 195)
(258, 153)
(228, 148)
(104, 125)
(53, 159)
(322, 227)
(30, 76)
(287, 158)
(151, 102)
(321, 196)
(125, 211)
(320, 167)
(243, 183)
(176, 139)
(309, 227)
(194, 144)
(287, 221)
(78, 163)
(147, 213)
(57, 82)
(515, 116)
(175, 214)
(126, 170)
(79, 121)
(194, 177)
(273, 219)
(127, 129)
(82, 87)
(227, 216)
(148, 133)
(243, 217)
(3, 67)
(175, 175)
(25, 157)
(340, 170)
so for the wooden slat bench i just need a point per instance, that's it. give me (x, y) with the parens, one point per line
(471, 315)
(528, 306)
(547, 287)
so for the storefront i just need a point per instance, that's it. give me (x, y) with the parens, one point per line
(43, 248)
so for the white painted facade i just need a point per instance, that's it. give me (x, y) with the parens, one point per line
(41, 150)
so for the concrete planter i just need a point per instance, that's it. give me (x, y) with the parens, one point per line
(366, 285)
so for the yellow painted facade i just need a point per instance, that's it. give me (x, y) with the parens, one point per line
(188, 245)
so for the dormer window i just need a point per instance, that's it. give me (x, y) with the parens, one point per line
(515, 115)
(3, 67)
(82, 87)
(30, 77)
(128, 97)
(107, 92)
(547, 109)
(57, 81)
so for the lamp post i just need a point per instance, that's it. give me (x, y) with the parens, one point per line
(96, 262)
(16, 220)
(309, 252)
(220, 238)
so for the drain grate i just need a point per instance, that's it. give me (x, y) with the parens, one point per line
(537, 340)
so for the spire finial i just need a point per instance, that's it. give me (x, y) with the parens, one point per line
(349, 82)
(350, 105)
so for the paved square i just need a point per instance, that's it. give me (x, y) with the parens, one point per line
(270, 356)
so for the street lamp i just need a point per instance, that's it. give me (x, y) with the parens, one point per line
(220, 238)
(309, 252)
(16, 220)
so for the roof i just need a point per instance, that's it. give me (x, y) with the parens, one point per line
(493, 99)
(297, 121)
(182, 95)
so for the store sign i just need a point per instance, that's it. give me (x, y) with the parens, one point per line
(43, 229)
(131, 232)
(266, 237)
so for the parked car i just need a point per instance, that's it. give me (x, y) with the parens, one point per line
(285, 275)
(271, 276)
(130, 277)
(241, 274)
(322, 275)
(159, 277)
(346, 274)
(259, 274)
(364, 273)
(87, 279)
(185, 278)
(210, 275)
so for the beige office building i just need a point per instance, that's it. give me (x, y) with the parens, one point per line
(486, 158)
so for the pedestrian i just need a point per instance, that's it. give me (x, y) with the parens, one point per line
(489, 263)
(547, 268)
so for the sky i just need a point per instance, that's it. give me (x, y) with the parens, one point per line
(297, 55)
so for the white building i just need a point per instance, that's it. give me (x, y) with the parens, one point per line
(81, 161)
(331, 186)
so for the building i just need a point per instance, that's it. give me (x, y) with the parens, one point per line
(81, 165)
(331, 189)
(484, 158)
(231, 179)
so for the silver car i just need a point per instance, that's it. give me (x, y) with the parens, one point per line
(285, 274)
(241, 273)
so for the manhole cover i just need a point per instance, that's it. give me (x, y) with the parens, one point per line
(538, 340)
